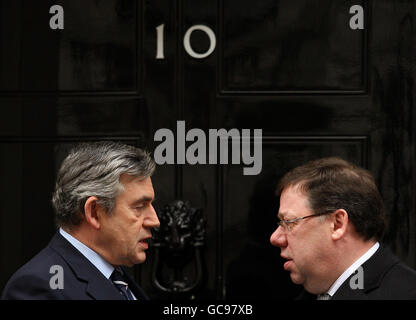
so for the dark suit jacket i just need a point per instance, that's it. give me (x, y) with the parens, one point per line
(81, 280)
(385, 278)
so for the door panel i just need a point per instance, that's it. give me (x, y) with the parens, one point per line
(98, 50)
(286, 46)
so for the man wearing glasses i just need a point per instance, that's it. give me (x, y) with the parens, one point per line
(331, 222)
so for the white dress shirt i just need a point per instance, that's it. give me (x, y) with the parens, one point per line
(335, 286)
(99, 262)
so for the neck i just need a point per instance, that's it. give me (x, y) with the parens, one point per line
(82, 235)
(357, 250)
(348, 254)
(90, 238)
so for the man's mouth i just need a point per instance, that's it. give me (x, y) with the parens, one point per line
(145, 242)
(287, 264)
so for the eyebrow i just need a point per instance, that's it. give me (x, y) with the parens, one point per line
(143, 199)
(281, 215)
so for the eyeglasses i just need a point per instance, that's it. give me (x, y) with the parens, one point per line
(286, 224)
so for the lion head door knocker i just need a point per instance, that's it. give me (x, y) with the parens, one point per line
(178, 242)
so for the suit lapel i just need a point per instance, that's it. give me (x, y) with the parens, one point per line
(102, 289)
(97, 286)
(373, 272)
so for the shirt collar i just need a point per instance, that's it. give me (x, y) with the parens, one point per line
(99, 262)
(335, 286)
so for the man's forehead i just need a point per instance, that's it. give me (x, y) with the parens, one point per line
(135, 185)
(293, 201)
(297, 188)
(291, 194)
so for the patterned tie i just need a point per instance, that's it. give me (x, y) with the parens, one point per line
(324, 296)
(121, 283)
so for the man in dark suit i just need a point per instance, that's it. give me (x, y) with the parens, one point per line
(103, 204)
(331, 222)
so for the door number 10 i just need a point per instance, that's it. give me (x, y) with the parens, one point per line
(160, 53)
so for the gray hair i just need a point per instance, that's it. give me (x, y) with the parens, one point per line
(94, 169)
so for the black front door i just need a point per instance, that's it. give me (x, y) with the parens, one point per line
(315, 81)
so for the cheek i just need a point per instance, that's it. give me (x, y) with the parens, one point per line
(135, 229)
(302, 248)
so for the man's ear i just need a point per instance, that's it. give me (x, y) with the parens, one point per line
(92, 212)
(339, 224)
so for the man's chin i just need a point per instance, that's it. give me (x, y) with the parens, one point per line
(296, 278)
(140, 258)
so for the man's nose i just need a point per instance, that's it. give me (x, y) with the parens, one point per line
(278, 238)
(153, 220)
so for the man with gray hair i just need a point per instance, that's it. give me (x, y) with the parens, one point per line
(103, 204)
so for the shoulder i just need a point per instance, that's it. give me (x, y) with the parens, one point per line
(383, 277)
(32, 280)
(397, 281)
(400, 282)
(39, 278)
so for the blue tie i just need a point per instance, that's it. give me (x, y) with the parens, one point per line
(121, 283)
